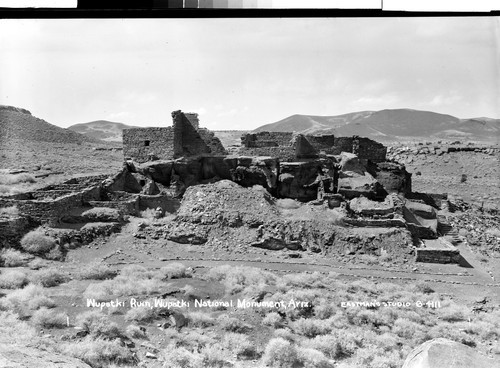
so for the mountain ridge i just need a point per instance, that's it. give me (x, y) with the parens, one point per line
(390, 125)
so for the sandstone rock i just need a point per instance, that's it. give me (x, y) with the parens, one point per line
(16, 356)
(444, 353)
(349, 163)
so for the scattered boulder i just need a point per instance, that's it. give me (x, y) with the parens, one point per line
(444, 353)
(15, 356)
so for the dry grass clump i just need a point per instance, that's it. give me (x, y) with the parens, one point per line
(11, 211)
(49, 318)
(180, 357)
(96, 271)
(11, 179)
(272, 319)
(241, 278)
(13, 279)
(36, 242)
(312, 358)
(99, 353)
(102, 214)
(12, 258)
(98, 325)
(49, 277)
(310, 327)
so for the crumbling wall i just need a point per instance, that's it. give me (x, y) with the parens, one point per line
(284, 154)
(143, 144)
(322, 143)
(214, 143)
(266, 139)
(187, 141)
(371, 150)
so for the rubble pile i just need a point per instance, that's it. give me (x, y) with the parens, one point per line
(227, 216)
(481, 230)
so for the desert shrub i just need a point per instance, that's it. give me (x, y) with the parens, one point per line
(231, 324)
(272, 319)
(11, 211)
(312, 358)
(239, 345)
(98, 325)
(13, 279)
(237, 279)
(309, 327)
(96, 271)
(453, 313)
(174, 271)
(369, 259)
(314, 280)
(372, 357)
(200, 319)
(10, 179)
(49, 318)
(49, 277)
(191, 339)
(55, 254)
(149, 214)
(37, 242)
(180, 357)
(130, 284)
(213, 356)
(12, 258)
(280, 353)
(144, 314)
(23, 301)
(405, 328)
(324, 308)
(285, 334)
(99, 353)
(422, 287)
(14, 331)
(135, 331)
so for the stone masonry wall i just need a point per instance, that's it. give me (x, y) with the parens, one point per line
(141, 143)
(214, 143)
(371, 150)
(284, 154)
(266, 139)
(187, 141)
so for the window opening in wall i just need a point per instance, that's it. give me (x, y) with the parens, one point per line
(146, 143)
(142, 182)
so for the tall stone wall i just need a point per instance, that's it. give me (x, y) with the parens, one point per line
(284, 154)
(141, 144)
(187, 141)
(322, 143)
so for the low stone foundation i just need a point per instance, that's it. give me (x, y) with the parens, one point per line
(438, 251)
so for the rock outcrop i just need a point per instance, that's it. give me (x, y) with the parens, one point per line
(444, 353)
(16, 356)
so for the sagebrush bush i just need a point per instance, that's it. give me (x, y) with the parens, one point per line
(13, 279)
(240, 345)
(237, 279)
(12, 258)
(213, 356)
(23, 301)
(312, 358)
(200, 319)
(272, 319)
(36, 242)
(99, 353)
(98, 325)
(174, 271)
(280, 353)
(310, 327)
(231, 324)
(180, 357)
(96, 271)
(141, 314)
(49, 318)
(15, 331)
(49, 277)
(135, 331)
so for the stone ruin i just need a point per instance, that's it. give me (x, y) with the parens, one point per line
(350, 174)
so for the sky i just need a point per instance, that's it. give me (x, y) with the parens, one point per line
(243, 73)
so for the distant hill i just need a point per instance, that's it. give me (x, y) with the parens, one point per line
(390, 125)
(19, 124)
(102, 129)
